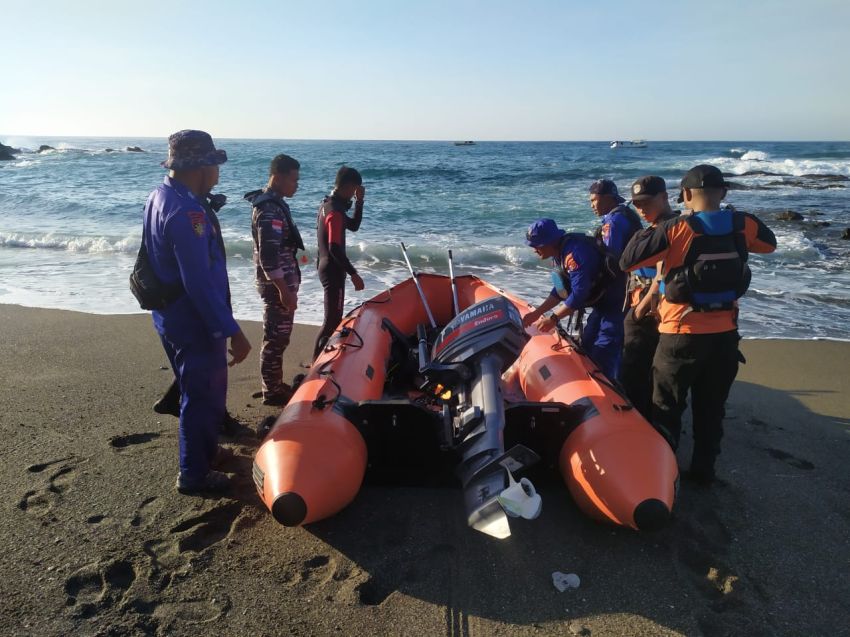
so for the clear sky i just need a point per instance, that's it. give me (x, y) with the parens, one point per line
(453, 69)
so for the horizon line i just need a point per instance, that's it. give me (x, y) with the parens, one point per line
(446, 140)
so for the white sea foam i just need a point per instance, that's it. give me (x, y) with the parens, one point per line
(790, 167)
(89, 231)
(69, 243)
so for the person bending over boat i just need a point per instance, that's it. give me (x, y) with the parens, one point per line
(331, 225)
(184, 249)
(705, 263)
(649, 196)
(583, 277)
(278, 277)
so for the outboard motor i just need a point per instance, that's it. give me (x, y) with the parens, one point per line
(474, 350)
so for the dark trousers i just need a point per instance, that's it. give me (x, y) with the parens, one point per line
(705, 364)
(277, 330)
(333, 282)
(602, 337)
(200, 367)
(639, 344)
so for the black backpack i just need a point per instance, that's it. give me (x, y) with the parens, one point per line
(149, 291)
(609, 268)
(715, 272)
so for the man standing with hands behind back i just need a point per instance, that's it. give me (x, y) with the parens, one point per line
(276, 241)
(184, 249)
(331, 224)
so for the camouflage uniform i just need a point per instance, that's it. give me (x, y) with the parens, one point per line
(276, 240)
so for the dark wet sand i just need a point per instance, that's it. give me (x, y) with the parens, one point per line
(96, 541)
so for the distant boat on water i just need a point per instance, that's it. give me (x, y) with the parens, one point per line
(635, 143)
(466, 143)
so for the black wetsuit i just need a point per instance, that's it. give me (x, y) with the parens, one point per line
(333, 264)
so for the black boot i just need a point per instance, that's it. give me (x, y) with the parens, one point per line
(170, 403)
(229, 425)
(701, 472)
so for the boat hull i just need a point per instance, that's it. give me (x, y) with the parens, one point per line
(311, 465)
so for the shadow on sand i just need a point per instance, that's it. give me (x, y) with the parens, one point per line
(738, 558)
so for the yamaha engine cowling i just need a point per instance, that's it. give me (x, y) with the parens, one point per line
(486, 338)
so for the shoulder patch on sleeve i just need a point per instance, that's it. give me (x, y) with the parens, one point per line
(570, 263)
(199, 222)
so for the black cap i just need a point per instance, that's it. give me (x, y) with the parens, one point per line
(647, 187)
(605, 187)
(702, 176)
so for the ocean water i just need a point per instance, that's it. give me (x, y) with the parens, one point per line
(70, 218)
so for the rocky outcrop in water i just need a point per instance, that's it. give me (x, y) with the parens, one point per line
(846, 233)
(809, 181)
(134, 149)
(754, 173)
(44, 147)
(789, 215)
(7, 152)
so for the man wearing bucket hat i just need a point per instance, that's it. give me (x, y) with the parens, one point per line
(185, 253)
(583, 277)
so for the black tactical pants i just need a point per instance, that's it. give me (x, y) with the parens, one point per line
(705, 364)
(639, 344)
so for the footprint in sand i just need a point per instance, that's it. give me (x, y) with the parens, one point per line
(791, 460)
(146, 512)
(134, 443)
(38, 468)
(97, 586)
(702, 549)
(713, 578)
(171, 556)
(324, 577)
(189, 612)
(39, 501)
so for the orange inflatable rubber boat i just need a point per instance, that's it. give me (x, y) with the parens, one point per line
(409, 386)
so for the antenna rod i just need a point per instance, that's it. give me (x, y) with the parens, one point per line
(418, 287)
(455, 306)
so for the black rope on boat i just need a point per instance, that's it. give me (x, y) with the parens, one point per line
(370, 301)
(321, 401)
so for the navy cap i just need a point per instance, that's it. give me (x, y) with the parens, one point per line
(606, 187)
(189, 149)
(702, 176)
(543, 232)
(647, 187)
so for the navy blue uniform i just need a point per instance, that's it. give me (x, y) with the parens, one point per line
(618, 227)
(184, 245)
(602, 336)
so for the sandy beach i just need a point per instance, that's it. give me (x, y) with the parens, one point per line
(96, 540)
